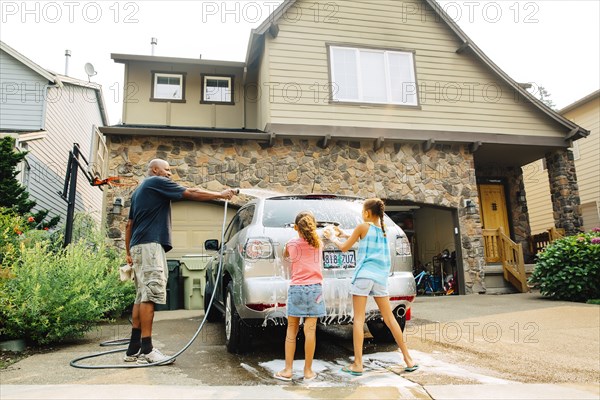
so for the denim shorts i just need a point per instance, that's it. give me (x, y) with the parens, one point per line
(150, 273)
(305, 301)
(367, 287)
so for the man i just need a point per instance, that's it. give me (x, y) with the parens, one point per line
(147, 239)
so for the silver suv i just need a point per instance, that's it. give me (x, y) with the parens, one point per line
(252, 289)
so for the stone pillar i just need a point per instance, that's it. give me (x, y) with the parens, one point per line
(564, 191)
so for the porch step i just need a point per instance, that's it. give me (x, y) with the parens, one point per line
(495, 282)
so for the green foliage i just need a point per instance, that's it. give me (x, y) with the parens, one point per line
(49, 294)
(13, 195)
(569, 268)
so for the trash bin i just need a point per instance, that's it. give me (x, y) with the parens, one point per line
(194, 280)
(173, 288)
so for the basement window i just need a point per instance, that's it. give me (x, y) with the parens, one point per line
(168, 87)
(372, 76)
(217, 89)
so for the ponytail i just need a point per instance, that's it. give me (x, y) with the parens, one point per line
(377, 208)
(307, 228)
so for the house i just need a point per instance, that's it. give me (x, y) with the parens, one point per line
(47, 113)
(586, 155)
(386, 99)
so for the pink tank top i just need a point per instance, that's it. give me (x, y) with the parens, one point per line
(306, 262)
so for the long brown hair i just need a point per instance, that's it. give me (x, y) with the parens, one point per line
(376, 207)
(307, 228)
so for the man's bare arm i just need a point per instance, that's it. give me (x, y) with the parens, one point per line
(128, 230)
(197, 194)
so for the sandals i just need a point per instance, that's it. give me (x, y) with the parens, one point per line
(347, 369)
(411, 369)
(281, 377)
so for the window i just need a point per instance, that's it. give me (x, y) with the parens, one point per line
(217, 89)
(168, 87)
(373, 76)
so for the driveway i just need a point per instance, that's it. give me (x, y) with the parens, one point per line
(479, 342)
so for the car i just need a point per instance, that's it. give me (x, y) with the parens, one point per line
(251, 291)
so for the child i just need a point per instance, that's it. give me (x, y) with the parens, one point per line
(370, 278)
(305, 295)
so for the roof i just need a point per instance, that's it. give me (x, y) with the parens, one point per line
(575, 131)
(123, 58)
(580, 102)
(57, 79)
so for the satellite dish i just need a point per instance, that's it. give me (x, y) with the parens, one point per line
(89, 70)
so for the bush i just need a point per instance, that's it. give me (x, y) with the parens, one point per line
(50, 294)
(569, 268)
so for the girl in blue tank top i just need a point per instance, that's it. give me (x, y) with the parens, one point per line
(370, 279)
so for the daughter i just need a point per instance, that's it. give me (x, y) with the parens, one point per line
(370, 278)
(305, 295)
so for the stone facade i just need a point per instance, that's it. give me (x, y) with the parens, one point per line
(564, 191)
(443, 176)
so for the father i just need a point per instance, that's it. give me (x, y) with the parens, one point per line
(147, 239)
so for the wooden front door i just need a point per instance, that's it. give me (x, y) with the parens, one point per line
(494, 215)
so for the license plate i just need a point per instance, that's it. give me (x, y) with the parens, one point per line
(338, 259)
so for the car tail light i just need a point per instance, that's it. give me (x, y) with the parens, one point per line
(258, 249)
(263, 307)
(400, 298)
(408, 315)
(402, 246)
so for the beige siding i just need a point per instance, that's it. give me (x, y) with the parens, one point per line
(298, 59)
(264, 110)
(588, 164)
(140, 110)
(71, 113)
(539, 203)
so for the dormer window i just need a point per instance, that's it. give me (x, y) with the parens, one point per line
(217, 89)
(374, 76)
(168, 86)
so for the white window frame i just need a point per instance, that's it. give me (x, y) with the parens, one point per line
(228, 78)
(156, 97)
(335, 97)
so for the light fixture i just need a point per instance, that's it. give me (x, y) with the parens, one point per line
(117, 206)
(470, 207)
(521, 199)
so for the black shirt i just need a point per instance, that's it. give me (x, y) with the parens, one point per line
(151, 211)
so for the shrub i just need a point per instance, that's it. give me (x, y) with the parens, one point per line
(569, 268)
(52, 294)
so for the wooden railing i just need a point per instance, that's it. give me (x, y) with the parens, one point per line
(539, 241)
(500, 248)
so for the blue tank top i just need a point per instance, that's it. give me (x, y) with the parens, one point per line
(373, 260)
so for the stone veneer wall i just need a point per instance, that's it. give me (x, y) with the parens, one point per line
(444, 176)
(564, 190)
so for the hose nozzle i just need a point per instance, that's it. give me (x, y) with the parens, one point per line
(236, 191)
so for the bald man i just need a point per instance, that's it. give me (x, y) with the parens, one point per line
(147, 240)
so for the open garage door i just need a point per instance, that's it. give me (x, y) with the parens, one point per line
(193, 223)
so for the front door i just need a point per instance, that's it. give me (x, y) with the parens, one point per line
(494, 215)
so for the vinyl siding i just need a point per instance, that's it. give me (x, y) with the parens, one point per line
(23, 110)
(298, 56)
(70, 117)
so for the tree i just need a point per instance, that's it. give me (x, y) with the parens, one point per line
(541, 93)
(13, 195)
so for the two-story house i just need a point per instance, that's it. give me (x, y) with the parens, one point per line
(586, 155)
(47, 113)
(386, 99)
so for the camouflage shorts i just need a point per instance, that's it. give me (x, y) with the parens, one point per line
(151, 273)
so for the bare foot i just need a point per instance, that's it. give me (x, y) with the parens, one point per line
(309, 375)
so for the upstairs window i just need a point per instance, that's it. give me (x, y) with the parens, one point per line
(373, 76)
(217, 89)
(168, 87)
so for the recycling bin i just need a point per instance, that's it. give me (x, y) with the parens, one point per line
(173, 287)
(194, 280)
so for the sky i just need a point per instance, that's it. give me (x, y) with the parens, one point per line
(550, 43)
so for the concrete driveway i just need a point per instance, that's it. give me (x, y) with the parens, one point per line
(479, 346)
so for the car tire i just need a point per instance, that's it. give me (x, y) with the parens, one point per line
(212, 314)
(380, 331)
(237, 333)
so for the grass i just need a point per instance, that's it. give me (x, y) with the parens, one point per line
(593, 301)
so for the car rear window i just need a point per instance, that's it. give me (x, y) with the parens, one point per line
(280, 212)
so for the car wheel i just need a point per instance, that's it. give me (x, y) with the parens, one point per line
(237, 334)
(380, 331)
(212, 314)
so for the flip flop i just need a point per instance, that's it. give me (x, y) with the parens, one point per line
(282, 378)
(311, 378)
(411, 369)
(348, 370)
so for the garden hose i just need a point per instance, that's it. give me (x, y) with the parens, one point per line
(74, 362)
